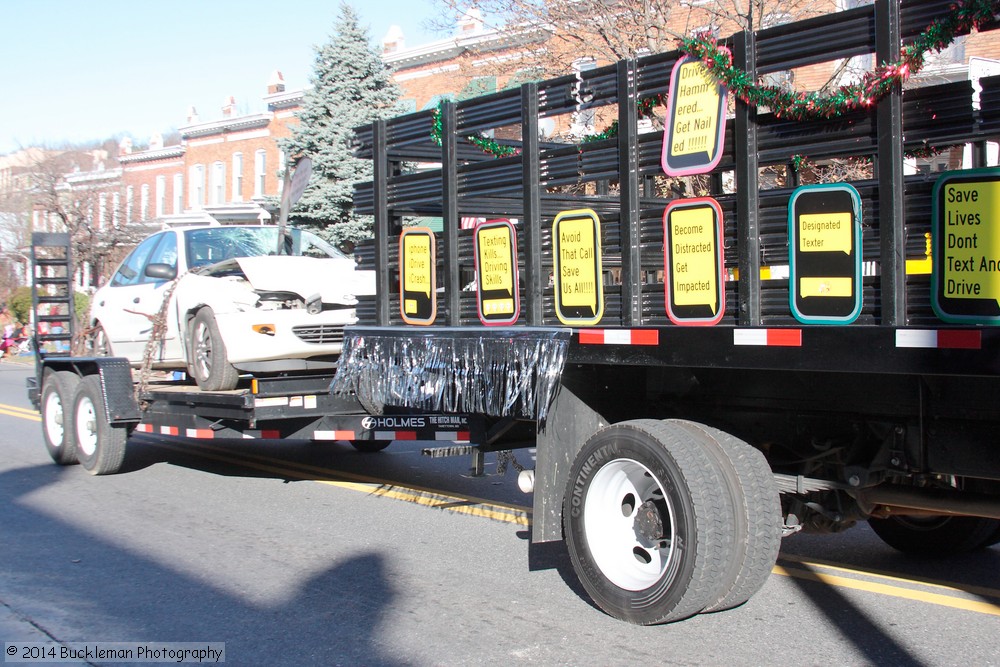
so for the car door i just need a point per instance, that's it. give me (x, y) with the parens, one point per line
(126, 306)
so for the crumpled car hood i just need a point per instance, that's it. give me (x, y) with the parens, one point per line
(334, 279)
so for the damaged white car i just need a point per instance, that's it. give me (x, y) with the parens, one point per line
(243, 302)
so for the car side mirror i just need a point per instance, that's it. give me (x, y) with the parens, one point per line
(161, 271)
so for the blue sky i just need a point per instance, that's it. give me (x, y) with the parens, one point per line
(76, 70)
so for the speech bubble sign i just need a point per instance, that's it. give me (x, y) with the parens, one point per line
(417, 262)
(693, 260)
(496, 272)
(576, 245)
(966, 246)
(696, 120)
(826, 232)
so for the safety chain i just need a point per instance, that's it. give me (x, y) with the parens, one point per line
(504, 457)
(156, 336)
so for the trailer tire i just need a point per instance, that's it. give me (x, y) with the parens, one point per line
(936, 537)
(100, 445)
(58, 390)
(207, 358)
(757, 527)
(370, 446)
(646, 529)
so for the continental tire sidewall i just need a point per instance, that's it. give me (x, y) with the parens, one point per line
(674, 596)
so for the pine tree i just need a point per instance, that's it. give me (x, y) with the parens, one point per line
(351, 87)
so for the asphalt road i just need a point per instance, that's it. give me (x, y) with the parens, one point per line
(295, 553)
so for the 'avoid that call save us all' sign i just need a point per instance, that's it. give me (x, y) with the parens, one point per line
(576, 240)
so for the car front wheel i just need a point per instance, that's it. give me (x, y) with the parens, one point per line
(207, 358)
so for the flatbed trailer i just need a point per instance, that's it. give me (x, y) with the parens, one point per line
(692, 400)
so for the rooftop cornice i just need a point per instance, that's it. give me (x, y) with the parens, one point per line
(226, 125)
(284, 100)
(153, 154)
(452, 47)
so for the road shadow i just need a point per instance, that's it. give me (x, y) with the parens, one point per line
(88, 588)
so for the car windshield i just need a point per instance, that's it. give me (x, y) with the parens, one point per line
(208, 246)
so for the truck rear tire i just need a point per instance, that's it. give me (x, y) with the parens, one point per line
(757, 528)
(58, 389)
(100, 446)
(370, 446)
(647, 530)
(939, 536)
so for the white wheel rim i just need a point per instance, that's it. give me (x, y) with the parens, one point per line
(628, 558)
(86, 426)
(54, 423)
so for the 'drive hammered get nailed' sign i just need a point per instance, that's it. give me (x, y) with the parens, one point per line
(965, 280)
(496, 272)
(417, 276)
(696, 120)
(576, 241)
(692, 229)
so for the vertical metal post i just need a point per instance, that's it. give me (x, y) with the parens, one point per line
(747, 188)
(531, 226)
(889, 115)
(449, 212)
(380, 178)
(628, 168)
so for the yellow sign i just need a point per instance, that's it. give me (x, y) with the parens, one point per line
(826, 232)
(970, 241)
(496, 268)
(694, 291)
(576, 243)
(417, 276)
(692, 142)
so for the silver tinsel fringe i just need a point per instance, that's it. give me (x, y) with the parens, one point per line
(508, 372)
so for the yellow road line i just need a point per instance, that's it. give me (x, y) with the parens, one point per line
(891, 591)
(23, 413)
(876, 574)
(372, 486)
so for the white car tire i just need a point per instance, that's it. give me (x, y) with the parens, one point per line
(207, 357)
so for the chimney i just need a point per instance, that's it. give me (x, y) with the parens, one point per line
(394, 40)
(276, 84)
(125, 146)
(192, 116)
(228, 107)
(155, 141)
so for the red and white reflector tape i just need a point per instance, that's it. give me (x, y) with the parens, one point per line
(395, 435)
(940, 339)
(453, 436)
(768, 337)
(333, 435)
(619, 337)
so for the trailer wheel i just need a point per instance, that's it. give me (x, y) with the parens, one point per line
(757, 527)
(207, 358)
(647, 530)
(100, 446)
(370, 446)
(938, 536)
(58, 389)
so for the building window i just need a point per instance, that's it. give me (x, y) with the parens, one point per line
(144, 201)
(583, 120)
(282, 165)
(161, 196)
(197, 186)
(237, 176)
(259, 173)
(217, 187)
(178, 193)
(116, 206)
(129, 197)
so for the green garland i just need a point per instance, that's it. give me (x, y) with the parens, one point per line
(862, 95)
(487, 145)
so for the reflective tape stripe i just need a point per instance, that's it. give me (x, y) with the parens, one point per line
(941, 339)
(768, 337)
(619, 337)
